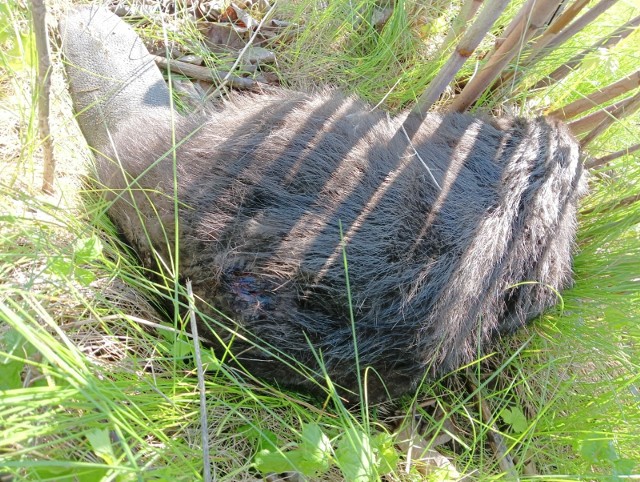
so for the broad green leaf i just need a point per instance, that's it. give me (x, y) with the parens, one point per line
(622, 467)
(101, 444)
(264, 439)
(87, 249)
(10, 374)
(12, 340)
(316, 446)
(210, 361)
(182, 348)
(267, 461)
(516, 419)
(78, 474)
(10, 369)
(60, 266)
(16, 48)
(91, 475)
(311, 458)
(383, 445)
(597, 450)
(84, 276)
(355, 456)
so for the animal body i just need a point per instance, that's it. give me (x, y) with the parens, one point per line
(458, 235)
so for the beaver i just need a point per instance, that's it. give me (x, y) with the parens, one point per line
(322, 240)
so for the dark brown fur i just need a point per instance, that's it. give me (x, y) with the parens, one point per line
(445, 249)
(434, 271)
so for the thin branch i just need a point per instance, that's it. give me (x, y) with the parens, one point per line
(516, 22)
(250, 42)
(538, 12)
(601, 161)
(598, 97)
(565, 17)
(505, 460)
(627, 201)
(606, 43)
(589, 122)
(467, 12)
(39, 13)
(203, 73)
(466, 47)
(629, 108)
(577, 26)
(554, 36)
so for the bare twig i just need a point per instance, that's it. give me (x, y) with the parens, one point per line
(607, 42)
(632, 105)
(242, 52)
(564, 35)
(419, 449)
(467, 12)
(589, 122)
(597, 98)
(497, 442)
(203, 73)
(554, 36)
(565, 17)
(627, 201)
(528, 22)
(204, 425)
(601, 161)
(505, 460)
(516, 22)
(470, 41)
(39, 13)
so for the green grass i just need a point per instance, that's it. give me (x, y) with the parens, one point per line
(94, 385)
